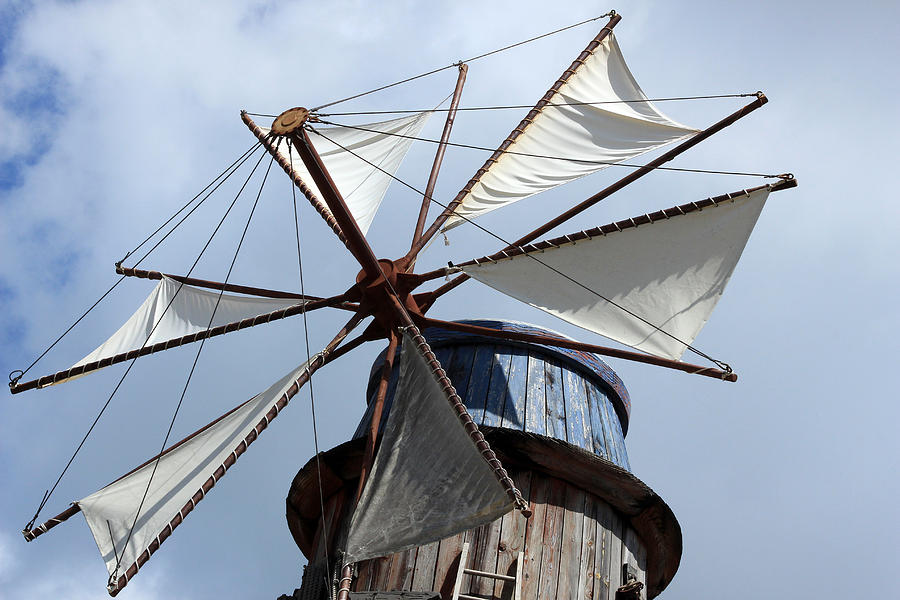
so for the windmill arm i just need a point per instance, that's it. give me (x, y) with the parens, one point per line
(637, 174)
(282, 313)
(516, 132)
(321, 208)
(227, 287)
(580, 346)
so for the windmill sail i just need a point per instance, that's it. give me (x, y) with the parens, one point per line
(598, 117)
(173, 310)
(650, 286)
(183, 476)
(428, 481)
(362, 185)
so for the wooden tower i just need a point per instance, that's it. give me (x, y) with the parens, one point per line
(557, 418)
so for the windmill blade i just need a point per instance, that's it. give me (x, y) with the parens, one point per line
(594, 116)
(649, 282)
(429, 480)
(175, 314)
(361, 184)
(168, 487)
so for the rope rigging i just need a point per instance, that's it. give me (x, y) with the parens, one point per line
(721, 364)
(312, 397)
(49, 493)
(561, 158)
(190, 376)
(17, 374)
(611, 13)
(514, 106)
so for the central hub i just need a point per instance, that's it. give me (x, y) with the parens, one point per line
(290, 121)
(376, 294)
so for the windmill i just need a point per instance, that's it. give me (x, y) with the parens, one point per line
(593, 116)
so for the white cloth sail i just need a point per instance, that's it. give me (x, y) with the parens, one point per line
(189, 310)
(362, 186)
(181, 472)
(428, 480)
(578, 138)
(670, 273)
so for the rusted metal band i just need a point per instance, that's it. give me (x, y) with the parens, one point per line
(317, 204)
(159, 347)
(466, 419)
(318, 361)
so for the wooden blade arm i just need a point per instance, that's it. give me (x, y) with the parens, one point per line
(356, 241)
(187, 339)
(522, 126)
(228, 287)
(375, 424)
(436, 166)
(428, 298)
(638, 173)
(321, 208)
(327, 355)
(573, 345)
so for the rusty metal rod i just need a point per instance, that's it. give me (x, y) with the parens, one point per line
(254, 434)
(573, 345)
(187, 339)
(438, 158)
(317, 204)
(522, 126)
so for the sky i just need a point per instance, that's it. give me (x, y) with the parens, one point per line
(114, 114)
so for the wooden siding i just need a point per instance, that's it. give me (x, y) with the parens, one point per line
(528, 389)
(574, 545)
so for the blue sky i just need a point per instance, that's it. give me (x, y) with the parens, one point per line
(112, 115)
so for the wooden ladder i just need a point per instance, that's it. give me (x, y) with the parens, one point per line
(463, 571)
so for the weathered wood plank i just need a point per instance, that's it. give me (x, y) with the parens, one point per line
(553, 537)
(557, 411)
(535, 400)
(612, 444)
(512, 538)
(460, 368)
(423, 573)
(479, 381)
(381, 569)
(401, 570)
(447, 564)
(635, 555)
(485, 540)
(598, 438)
(585, 588)
(616, 428)
(570, 552)
(496, 393)
(578, 415)
(615, 552)
(607, 522)
(534, 533)
(514, 402)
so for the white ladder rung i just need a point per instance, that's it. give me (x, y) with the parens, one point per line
(463, 570)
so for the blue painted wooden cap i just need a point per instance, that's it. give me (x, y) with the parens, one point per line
(565, 394)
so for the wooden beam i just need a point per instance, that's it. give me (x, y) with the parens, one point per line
(516, 132)
(573, 345)
(321, 208)
(436, 166)
(187, 339)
